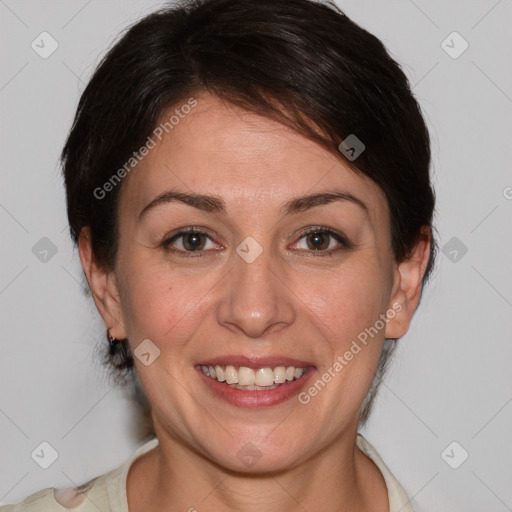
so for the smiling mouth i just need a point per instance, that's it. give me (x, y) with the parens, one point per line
(260, 379)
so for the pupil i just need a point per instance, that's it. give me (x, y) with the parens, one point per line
(193, 241)
(318, 241)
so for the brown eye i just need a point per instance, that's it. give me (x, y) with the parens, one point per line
(189, 240)
(318, 241)
(322, 241)
(193, 241)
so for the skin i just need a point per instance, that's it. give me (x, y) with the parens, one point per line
(291, 301)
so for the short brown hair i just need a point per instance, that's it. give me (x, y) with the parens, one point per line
(301, 62)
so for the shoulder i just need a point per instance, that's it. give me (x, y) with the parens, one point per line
(106, 492)
(88, 497)
(398, 499)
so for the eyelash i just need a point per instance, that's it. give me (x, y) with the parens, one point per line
(341, 239)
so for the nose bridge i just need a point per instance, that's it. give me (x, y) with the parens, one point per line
(255, 300)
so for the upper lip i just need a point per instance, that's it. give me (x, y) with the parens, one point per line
(255, 362)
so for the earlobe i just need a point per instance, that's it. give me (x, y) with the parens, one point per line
(407, 286)
(103, 287)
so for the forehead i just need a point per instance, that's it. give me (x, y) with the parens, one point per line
(220, 149)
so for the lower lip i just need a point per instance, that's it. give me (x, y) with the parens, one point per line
(252, 398)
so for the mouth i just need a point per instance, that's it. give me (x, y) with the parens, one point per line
(255, 383)
(260, 379)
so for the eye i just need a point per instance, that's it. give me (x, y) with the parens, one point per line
(189, 240)
(322, 240)
(316, 239)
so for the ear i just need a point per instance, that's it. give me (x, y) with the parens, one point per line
(103, 286)
(407, 286)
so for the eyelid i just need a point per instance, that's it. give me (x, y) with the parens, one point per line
(171, 238)
(339, 237)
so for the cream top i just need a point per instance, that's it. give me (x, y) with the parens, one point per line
(108, 491)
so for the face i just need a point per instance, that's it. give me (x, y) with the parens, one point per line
(276, 255)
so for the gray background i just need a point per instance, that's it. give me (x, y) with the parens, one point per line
(451, 378)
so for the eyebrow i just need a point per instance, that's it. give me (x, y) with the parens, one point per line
(214, 204)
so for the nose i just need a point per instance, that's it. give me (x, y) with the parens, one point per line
(255, 298)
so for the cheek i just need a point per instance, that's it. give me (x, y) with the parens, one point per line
(346, 302)
(163, 304)
(170, 305)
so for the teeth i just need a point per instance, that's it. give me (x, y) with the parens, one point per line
(221, 377)
(253, 388)
(231, 375)
(247, 378)
(279, 374)
(264, 377)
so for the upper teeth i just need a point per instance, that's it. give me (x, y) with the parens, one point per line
(249, 377)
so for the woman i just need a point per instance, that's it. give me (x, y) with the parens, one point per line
(248, 185)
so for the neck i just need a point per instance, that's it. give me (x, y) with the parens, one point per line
(174, 476)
